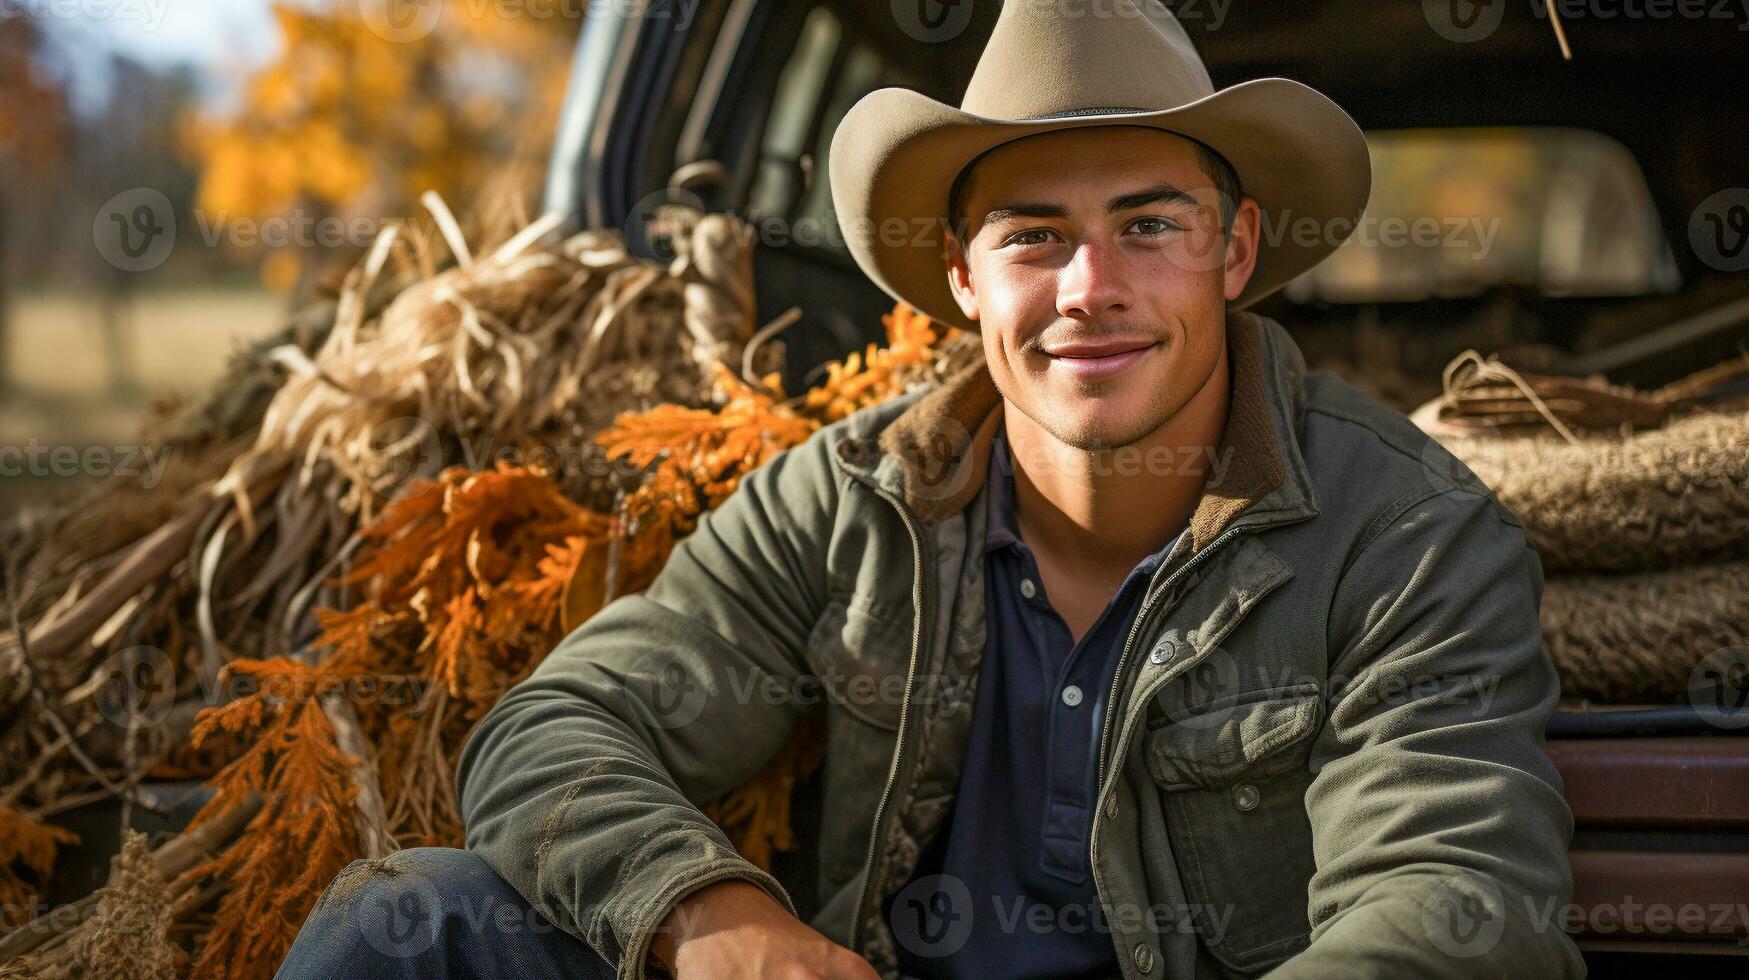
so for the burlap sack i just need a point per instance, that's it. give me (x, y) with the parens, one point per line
(1637, 638)
(1677, 495)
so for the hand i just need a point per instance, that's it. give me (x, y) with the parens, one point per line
(734, 929)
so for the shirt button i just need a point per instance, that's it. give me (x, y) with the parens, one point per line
(1143, 957)
(1027, 588)
(1246, 797)
(1071, 695)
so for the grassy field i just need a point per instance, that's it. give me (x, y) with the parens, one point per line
(67, 386)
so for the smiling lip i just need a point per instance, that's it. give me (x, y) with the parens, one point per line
(1096, 361)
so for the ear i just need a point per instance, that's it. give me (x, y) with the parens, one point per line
(1242, 245)
(959, 276)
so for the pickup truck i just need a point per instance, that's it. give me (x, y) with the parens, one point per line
(1622, 152)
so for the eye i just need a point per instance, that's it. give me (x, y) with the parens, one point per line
(1032, 236)
(1154, 226)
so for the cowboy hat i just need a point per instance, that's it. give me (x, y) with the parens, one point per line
(1054, 65)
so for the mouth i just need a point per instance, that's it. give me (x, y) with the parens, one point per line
(1097, 360)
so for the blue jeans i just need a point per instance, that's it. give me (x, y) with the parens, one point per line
(432, 912)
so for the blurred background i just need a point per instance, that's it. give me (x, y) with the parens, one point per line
(1561, 188)
(179, 174)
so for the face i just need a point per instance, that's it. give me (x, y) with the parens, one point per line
(1098, 274)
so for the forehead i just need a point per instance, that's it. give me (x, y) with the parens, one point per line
(1096, 158)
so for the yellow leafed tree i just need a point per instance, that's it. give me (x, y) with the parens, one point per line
(360, 113)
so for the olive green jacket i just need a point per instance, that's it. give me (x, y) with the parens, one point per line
(1324, 755)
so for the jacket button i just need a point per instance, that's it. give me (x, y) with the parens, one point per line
(1246, 797)
(1163, 653)
(1143, 957)
(1027, 589)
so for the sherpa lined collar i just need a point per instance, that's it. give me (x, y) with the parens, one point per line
(942, 442)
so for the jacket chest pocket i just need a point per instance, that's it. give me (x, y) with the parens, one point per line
(860, 654)
(1232, 779)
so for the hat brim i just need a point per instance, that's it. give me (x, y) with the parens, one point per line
(896, 153)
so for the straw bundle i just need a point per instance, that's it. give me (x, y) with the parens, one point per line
(1637, 638)
(320, 539)
(1662, 498)
(1636, 502)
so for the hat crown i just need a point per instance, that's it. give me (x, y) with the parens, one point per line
(1062, 57)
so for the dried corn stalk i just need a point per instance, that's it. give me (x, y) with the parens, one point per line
(448, 582)
(527, 347)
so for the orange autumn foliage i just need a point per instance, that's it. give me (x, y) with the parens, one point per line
(698, 458)
(27, 859)
(305, 832)
(464, 583)
(463, 577)
(877, 374)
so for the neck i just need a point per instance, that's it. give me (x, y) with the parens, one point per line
(1109, 509)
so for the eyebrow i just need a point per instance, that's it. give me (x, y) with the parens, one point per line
(1157, 194)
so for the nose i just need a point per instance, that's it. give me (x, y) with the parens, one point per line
(1092, 285)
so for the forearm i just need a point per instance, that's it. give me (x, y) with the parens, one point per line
(583, 793)
(582, 785)
(1439, 922)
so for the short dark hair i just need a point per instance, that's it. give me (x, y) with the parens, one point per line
(1225, 178)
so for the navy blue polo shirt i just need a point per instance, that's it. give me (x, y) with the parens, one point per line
(1005, 890)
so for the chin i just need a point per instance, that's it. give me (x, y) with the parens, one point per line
(1100, 430)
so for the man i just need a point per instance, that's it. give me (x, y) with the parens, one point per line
(1208, 666)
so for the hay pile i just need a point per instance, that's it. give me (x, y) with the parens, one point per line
(365, 536)
(1637, 503)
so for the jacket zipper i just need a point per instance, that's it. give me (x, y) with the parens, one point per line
(1148, 602)
(920, 603)
(1123, 655)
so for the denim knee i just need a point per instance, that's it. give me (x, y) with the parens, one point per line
(428, 912)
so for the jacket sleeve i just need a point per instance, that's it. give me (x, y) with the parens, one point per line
(1439, 830)
(582, 785)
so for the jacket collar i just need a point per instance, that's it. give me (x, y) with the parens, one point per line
(935, 454)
